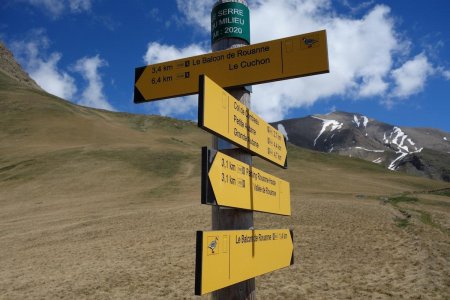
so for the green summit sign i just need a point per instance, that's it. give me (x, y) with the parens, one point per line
(230, 20)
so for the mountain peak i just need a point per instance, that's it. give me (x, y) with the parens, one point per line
(10, 67)
(356, 135)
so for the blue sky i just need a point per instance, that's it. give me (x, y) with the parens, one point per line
(389, 60)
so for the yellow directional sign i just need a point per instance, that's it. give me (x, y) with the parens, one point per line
(291, 57)
(227, 257)
(229, 182)
(222, 115)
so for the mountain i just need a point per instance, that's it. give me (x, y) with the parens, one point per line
(104, 205)
(420, 151)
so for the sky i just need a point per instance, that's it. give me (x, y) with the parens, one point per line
(389, 60)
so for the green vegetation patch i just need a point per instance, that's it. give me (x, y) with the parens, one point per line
(426, 218)
(435, 202)
(403, 198)
(401, 222)
(443, 192)
(164, 164)
(144, 123)
(166, 189)
(36, 165)
(155, 163)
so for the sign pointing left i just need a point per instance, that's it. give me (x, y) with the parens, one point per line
(229, 182)
(291, 57)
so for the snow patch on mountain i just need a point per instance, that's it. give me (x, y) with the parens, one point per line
(379, 160)
(361, 148)
(393, 166)
(283, 131)
(397, 139)
(356, 120)
(445, 138)
(335, 125)
(363, 121)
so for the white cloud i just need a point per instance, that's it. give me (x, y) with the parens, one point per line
(177, 107)
(197, 12)
(51, 79)
(354, 8)
(444, 72)
(362, 51)
(80, 5)
(93, 95)
(58, 7)
(53, 7)
(360, 54)
(157, 52)
(410, 78)
(44, 70)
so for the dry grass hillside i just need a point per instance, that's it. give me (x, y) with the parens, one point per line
(101, 205)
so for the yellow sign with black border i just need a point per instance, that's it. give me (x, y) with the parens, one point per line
(291, 57)
(224, 116)
(229, 182)
(224, 258)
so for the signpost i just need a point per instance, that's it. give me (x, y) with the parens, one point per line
(229, 182)
(224, 116)
(291, 57)
(224, 218)
(233, 254)
(224, 258)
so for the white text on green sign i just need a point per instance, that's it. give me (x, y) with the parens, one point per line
(230, 20)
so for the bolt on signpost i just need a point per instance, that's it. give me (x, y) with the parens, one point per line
(229, 257)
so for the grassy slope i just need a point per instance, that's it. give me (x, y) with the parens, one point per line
(98, 205)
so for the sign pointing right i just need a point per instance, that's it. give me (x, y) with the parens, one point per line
(227, 257)
(221, 114)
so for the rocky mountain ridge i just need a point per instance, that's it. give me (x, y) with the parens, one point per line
(421, 151)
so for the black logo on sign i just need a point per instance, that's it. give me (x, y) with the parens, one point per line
(213, 245)
(309, 42)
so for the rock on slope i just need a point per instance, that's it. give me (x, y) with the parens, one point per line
(11, 68)
(420, 151)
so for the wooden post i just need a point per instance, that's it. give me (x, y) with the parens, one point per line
(229, 218)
